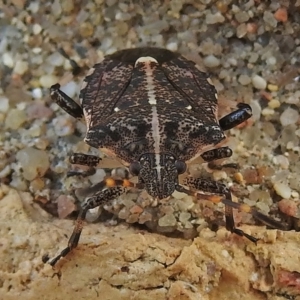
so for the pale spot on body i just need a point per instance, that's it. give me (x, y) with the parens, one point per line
(145, 59)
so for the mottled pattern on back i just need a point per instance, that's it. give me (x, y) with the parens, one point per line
(119, 97)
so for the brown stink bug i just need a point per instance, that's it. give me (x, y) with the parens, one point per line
(155, 111)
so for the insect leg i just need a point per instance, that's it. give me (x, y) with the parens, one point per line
(86, 160)
(111, 189)
(76, 68)
(65, 102)
(214, 189)
(243, 113)
(218, 188)
(218, 153)
(92, 202)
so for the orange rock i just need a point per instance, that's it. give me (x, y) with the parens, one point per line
(281, 14)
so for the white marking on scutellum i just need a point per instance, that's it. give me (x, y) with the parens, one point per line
(150, 87)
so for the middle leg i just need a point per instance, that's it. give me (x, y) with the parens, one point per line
(218, 153)
(86, 160)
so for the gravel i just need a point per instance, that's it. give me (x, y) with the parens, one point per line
(251, 50)
(259, 82)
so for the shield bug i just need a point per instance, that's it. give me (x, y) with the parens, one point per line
(155, 111)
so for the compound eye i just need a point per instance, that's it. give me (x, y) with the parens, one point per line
(180, 166)
(135, 168)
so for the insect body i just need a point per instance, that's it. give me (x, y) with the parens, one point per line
(154, 110)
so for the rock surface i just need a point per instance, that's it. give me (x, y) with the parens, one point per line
(123, 262)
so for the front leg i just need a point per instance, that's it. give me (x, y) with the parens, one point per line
(109, 189)
(65, 102)
(243, 113)
(97, 200)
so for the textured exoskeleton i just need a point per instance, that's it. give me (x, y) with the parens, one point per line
(154, 110)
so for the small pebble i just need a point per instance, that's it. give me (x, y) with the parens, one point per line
(184, 217)
(271, 61)
(48, 80)
(282, 190)
(268, 111)
(34, 162)
(93, 214)
(144, 217)
(251, 27)
(259, 82)
(225, 254)
(98, 176)
(241, 30)
(41, 143)
(35, 130)
(63, 126)
(167, 220)
(86, 29)
(289, 207)
(124, 213)
(56, 59)
(70, 89)
(21, 67)
(37, 184)
(219, 175)
(38, 111)
(8, 60)
(263, 207)
(37, 93)
(222, 6)
(289, 116)
(256, 110)
(242, 16)
(15, 119)
(36, 29)
(132, 218)
(65, 206)
(251, 176)
(211, 61)
(244, 79)
(136, 209)
(270, 19)
(4, 104)
(5, 172)
(172, 46)
(282, 161)
(273, 87)
(253, 58)
(281, 14)
(232, 61)
(214, 18)
(274, 103)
